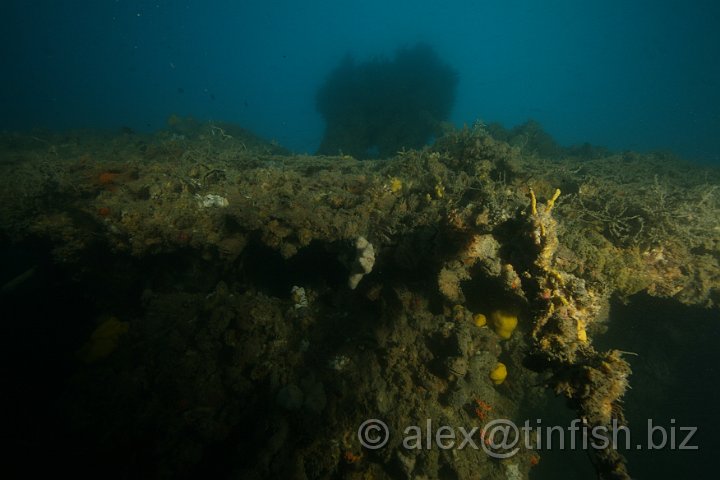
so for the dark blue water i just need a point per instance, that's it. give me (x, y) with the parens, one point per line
(627, 75)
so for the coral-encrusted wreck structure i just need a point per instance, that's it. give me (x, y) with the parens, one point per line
(210, 274)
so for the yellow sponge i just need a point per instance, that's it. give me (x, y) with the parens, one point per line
(499, 374)
(103, 340)
(503, 323)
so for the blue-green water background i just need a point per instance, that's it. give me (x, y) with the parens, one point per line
(624, 74)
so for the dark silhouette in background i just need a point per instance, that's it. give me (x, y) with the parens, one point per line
(379, 107)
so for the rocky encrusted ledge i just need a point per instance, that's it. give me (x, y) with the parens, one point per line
(230, 279)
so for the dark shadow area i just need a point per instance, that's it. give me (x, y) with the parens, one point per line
(265, 269)
(557, 457)
(379, 107)
(111, 417)
(675, 385)
(43, 317)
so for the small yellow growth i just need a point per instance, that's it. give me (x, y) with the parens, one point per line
(533, 202)
(548, 206)
(556, 276)
(499, 373)
(480, 320)
(551, 202)
(504, 323)
(396, 185)
(439, 190)
(581, 332)
(103, 340)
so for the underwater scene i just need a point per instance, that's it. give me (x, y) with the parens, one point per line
(360, 240)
